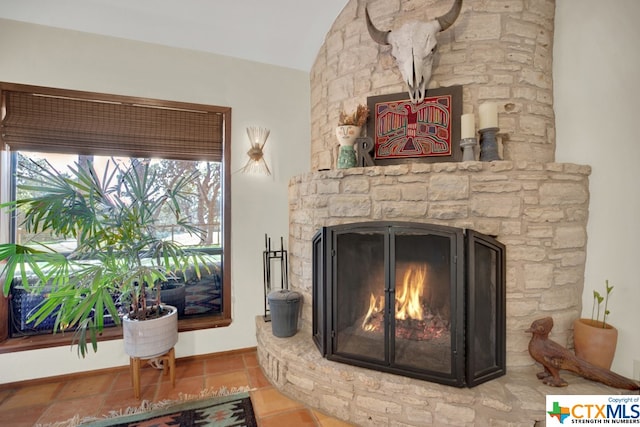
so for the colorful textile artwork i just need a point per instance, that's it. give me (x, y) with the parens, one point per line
(405, 130)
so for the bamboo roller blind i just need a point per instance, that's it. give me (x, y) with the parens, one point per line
(66, 124)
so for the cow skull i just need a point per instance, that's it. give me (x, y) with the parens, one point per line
(412, 46)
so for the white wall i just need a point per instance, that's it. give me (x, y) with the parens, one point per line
(259, 95)
(597, 103)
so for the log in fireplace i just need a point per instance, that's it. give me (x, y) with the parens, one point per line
(414, 299)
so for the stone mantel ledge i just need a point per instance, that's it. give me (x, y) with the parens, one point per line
(370, 398)
(446, 167)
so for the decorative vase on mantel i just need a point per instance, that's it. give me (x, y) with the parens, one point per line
(347, 135)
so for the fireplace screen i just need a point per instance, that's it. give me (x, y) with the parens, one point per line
(391, 296)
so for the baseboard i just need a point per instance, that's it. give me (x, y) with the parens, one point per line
(116, 369)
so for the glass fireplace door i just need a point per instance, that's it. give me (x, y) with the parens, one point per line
(359, 295)
(421, 300)
(395, 298)
(421, 325)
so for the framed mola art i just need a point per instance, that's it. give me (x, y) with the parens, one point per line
(405, 132)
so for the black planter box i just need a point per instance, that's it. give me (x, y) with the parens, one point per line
(23, 305)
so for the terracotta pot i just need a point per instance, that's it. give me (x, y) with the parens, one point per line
(593, 343)
(150, 338)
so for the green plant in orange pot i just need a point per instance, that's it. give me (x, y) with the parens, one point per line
(594, 339)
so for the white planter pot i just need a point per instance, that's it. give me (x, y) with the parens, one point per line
(150, 338)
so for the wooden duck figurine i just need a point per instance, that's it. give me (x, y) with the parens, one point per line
(554, 357)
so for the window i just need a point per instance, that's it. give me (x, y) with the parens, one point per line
(64, 127)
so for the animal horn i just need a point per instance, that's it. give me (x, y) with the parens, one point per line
(450, 17)
(377, 35)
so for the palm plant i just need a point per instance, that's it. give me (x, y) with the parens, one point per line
(119, 255)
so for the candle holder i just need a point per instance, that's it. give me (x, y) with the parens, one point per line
(489, 145)
(468, 149)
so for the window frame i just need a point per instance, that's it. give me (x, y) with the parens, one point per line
(223, 319)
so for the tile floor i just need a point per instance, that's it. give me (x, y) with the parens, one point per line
(44, 402)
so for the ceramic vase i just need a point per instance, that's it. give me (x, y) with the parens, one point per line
(150, 338)
(347, 136)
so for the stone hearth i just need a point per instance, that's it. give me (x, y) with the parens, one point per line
(369, 398)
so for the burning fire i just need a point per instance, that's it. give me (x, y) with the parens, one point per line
(408, 299)
(375, 306)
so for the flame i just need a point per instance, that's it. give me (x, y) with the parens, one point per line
(375, 307)
(409, 300)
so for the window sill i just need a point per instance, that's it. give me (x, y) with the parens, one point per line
(60, 339)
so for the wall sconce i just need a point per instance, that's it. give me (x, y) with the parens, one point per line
(256, 163)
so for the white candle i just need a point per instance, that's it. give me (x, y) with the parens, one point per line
(488, 113)
(468, 126)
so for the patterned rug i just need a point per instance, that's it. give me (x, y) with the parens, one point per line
(231, 410)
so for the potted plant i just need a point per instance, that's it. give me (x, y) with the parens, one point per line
(594, 339)
(119, 256)
(349, 128)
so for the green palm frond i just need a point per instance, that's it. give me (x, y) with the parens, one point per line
(119, 254)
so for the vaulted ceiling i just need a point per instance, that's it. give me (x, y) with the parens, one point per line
(286, 33)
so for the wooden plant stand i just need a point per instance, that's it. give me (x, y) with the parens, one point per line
(168, 367)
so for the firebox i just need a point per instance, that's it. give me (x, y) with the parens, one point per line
(420, 300)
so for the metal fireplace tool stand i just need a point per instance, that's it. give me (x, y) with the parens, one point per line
(269, 256)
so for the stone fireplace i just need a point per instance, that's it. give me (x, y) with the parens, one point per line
(538, 211)
(498, 51)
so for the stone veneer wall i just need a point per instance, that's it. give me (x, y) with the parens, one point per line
(538, 211)
(499, 50)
